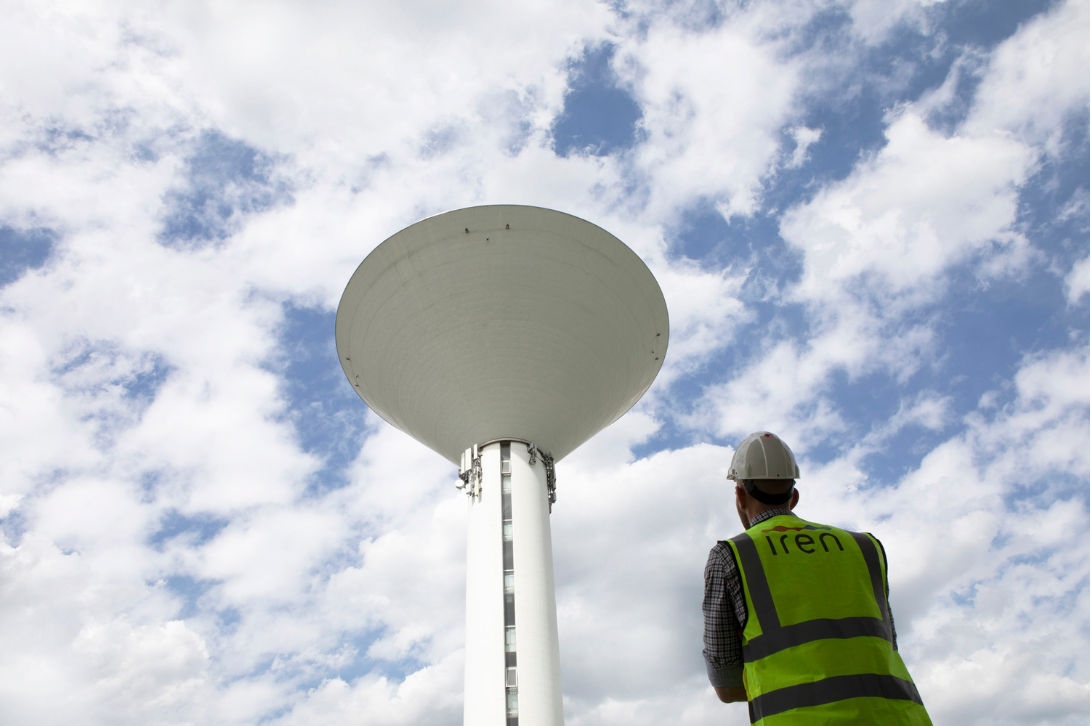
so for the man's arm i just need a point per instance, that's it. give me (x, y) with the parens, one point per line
(730, 694)
(723, 648)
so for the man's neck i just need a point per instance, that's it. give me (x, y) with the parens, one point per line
(769, 513)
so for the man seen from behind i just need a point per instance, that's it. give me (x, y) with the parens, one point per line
(797, 617)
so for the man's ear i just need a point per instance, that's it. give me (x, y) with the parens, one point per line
(795, 499)
(740, 495)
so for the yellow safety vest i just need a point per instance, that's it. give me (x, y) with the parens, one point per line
(818, 639)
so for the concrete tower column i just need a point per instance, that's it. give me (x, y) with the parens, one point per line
(512, 656)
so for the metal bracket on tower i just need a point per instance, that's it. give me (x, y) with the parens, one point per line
(469, 473)
(547, 462)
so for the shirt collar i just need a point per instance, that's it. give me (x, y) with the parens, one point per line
(769, 514)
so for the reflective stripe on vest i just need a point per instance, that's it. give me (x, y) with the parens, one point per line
(830, 652)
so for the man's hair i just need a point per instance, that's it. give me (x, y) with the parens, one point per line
(770, 491)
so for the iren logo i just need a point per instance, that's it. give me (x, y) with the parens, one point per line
(804, 543)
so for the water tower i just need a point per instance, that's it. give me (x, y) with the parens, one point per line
(503, 337)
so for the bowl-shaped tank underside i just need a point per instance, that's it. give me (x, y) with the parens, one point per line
(501, 322)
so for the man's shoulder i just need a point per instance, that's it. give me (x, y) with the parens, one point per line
(721, 561)
(721, 552)
(721, 547)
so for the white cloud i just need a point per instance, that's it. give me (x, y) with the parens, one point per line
(784, 384)
(151, 673)
(269, 556)
(922, 205)
(804, 137)
(38, 426)
(713, 103)
(77, 650)
(219, 443)
(1078, 282)
(874, 20)
(928, 202)
(430, 695)
(1044, 66)
(341, 79)
(705, 313)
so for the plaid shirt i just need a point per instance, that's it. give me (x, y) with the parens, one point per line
(724, 606)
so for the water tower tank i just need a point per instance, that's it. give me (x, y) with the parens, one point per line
(501, 322)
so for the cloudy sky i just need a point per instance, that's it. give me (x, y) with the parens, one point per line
(869, 219)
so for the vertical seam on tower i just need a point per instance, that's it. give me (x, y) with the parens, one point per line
(511, 691)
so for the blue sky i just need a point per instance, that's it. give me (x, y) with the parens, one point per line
(870, 223)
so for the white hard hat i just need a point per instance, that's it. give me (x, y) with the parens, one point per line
(763, 455)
